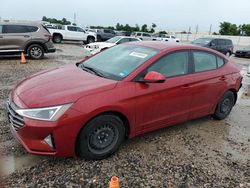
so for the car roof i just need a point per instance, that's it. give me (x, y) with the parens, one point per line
(161, 45)
(211, 38)
(21, 23)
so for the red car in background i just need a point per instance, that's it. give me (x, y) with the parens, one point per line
(89, 108)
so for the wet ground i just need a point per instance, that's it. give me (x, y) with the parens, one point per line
(199, 153)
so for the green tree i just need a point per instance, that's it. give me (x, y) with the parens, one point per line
(245, 29)
(144, 28)
(63, 21)
(226, 28)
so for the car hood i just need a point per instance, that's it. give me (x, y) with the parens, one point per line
(60, 86)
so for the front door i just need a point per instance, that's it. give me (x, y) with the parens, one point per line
(161, 104)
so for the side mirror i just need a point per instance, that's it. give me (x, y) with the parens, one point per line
(154, 77)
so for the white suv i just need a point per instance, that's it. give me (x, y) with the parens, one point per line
(142, 35)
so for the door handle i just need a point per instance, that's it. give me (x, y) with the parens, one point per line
(185, 86)
(222, 78)
(26, 36)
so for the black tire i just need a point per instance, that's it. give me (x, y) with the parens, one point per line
(57, 38)
(224, 106)
(90, 40)
(35, 51)
(228, 54)
(101, 137)
(99, 38)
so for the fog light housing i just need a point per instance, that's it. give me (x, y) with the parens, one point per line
(50, 141)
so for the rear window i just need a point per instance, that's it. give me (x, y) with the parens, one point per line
(15, 29)
(32, 28)
(204, 61)
(220, 62)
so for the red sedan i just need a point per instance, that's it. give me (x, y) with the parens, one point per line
(89, 108)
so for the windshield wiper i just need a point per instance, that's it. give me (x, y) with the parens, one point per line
(92, 70)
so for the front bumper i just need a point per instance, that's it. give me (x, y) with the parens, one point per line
(63, 133)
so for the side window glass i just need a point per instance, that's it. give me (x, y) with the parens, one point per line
(123, 40)
(138, 34)
(220, 62)
(204, 61)
(172, 65)
(1, 28)
(16, 29)
(70, 28)
(32, 28)
(133, 39)
(80, 30)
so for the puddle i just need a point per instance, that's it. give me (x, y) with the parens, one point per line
(10, 164)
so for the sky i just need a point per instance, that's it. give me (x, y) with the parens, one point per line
(175, 15)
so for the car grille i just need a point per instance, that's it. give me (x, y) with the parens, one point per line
(16, 121)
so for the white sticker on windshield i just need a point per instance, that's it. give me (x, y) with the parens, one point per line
(138, 54)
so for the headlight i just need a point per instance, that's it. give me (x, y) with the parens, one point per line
(46, 114)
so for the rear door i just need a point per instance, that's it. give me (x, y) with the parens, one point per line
(14, 37)
(71, 33)
(1, 38)
(207, 82)
(161, 104)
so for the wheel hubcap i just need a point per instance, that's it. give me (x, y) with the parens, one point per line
(102, 138)
(36, 52)
(226, 105)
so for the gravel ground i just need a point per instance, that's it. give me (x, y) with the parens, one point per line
(199, 153)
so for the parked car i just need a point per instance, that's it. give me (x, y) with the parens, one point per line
(96, 47)
(89, 108)
(73, 33)
(104, 34)
(142, 35)
(164, 37)
(123, 33)
(31, 38)
(224, 46)
(244, 52)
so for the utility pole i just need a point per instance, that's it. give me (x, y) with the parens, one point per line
(74, 18)
(210, 29)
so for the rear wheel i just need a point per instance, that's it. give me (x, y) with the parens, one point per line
(90, 40)
(101, 137)
(225, 106)
(228, 54)
(35, 51)
(57, 39)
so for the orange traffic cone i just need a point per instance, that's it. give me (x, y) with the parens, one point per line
(23, 60)
(114, 183)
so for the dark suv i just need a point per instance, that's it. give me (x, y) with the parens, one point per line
(224, 46)
(104, 34)
(31, 38)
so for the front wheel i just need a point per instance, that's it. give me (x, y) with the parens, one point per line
(225, 106)
(101, 137)
(90, 40)
(35, 51)
(228, 54)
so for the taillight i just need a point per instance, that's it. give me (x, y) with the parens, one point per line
(49, 37)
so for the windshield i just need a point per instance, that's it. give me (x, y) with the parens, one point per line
(113, 40)
(202, 41)
(118, 62)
